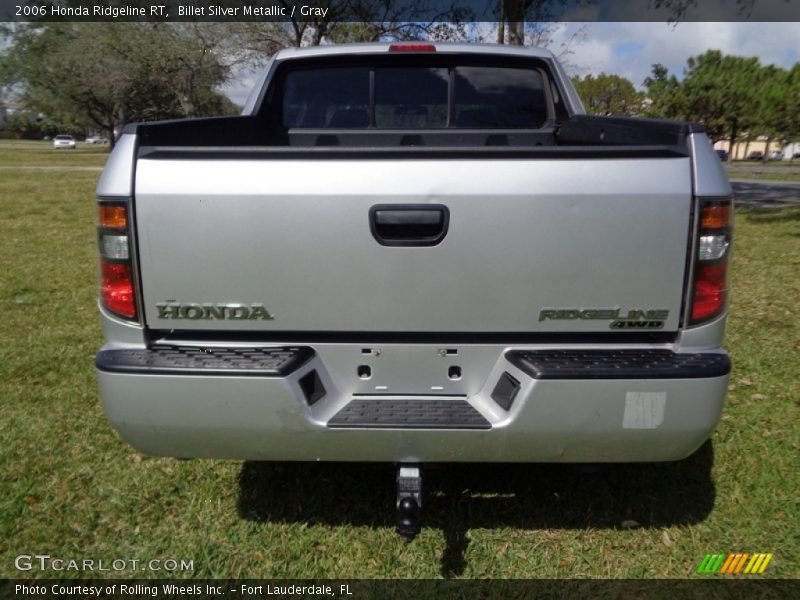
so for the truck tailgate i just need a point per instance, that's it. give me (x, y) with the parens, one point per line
(594, 242)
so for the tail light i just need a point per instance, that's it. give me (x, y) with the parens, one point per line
(710, 282)
(116, 271)
(412, 47)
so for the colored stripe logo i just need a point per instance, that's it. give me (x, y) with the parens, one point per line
(735, 563)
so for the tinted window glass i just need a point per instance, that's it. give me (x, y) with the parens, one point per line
(334, 97)
(411, 98)
(499, 97)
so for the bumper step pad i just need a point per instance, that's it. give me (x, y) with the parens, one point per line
(409, 414)
(619, 364)
(193, 360)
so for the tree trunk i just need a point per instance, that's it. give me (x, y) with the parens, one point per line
(110, 134)
(765, 158)
(515, 14)
(732, 146)
(516, 33)
(117, 124)
(501, 29)
(320, 29)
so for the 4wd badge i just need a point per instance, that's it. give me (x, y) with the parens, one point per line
(631, 319)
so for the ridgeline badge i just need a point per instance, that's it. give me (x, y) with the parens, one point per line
(631, 319)
(195, 311)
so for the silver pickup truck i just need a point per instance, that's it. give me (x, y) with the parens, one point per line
(414, 253)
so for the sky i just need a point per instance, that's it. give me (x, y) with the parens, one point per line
(629, 49)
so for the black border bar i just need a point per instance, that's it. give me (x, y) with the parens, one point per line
(701, 587)
(400, 11)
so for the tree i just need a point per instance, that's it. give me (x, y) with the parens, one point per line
(779, 106)
(788, 112)
(680, 9)
(105, 75)
(609, 95)
(347, 21)
(534, 18)
(32, 126)
(723, 93)
(663, 94)
(770, 99)
(373, 20)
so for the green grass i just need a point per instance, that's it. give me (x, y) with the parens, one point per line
(772, 163)
(70, 488)
(760, 175)
(776, 170)
(34, 153)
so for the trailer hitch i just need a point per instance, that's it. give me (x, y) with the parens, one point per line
(409, 501)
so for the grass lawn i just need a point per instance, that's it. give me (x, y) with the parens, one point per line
(70, 488)
(35, 153)
(757, 175)
(776, 170)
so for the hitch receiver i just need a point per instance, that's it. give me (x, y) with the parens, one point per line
(409, 500)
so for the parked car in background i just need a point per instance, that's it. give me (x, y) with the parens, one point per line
(776, 155)
(756, 155)
(723, 154)
(96, 139)
(64, 141)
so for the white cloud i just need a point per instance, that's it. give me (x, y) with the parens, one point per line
(672, 45)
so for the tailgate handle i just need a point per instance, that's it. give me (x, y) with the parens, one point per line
(409, 224)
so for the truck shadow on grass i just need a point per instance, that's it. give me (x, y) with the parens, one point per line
(458, 497)
(765, 195)
(769, 216)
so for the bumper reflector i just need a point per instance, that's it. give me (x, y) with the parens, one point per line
(311, 386)
(506, 390)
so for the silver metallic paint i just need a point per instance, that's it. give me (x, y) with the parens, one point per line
(255, 418)
(117, 176)
(524, 235)
(266, 419)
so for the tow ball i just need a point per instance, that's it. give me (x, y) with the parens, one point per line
(409, 501)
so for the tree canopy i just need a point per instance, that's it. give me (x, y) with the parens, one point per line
(663, 93)
(98, 76)
(731, 95)
(103, 77)
(723, 92)
(609, 95)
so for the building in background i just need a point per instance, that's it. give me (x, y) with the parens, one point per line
(745, 148)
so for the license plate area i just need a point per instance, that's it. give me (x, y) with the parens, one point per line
(425, 370)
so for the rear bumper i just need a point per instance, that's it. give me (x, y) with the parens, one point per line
(508, 404)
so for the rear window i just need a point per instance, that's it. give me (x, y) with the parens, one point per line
(414, 98)
(499, 98)
(411, 98)
(336, 97)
